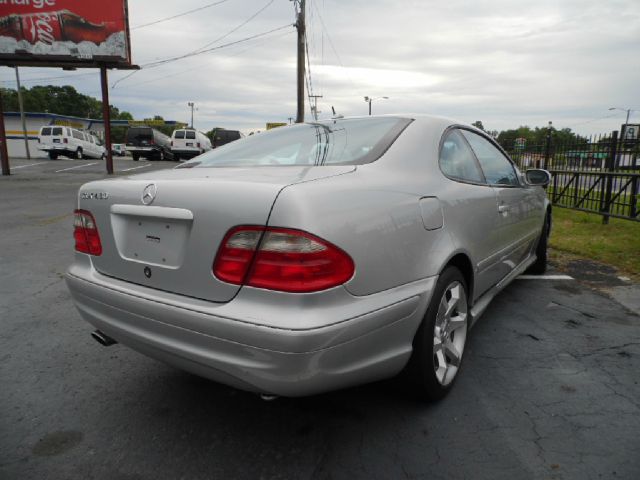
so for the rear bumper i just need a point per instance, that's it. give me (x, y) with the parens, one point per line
(282, 348)
(62, 148)
(143, 150)
(185, 152)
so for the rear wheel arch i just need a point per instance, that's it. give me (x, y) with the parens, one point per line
(463, 263)
(549, 219)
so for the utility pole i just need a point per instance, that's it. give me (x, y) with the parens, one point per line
(314, 107)
(106, 117)
(22, 117)
(192, 105)
(4, 155)
(301, 26)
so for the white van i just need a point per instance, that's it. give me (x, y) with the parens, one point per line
(69, 142)
(188, 143)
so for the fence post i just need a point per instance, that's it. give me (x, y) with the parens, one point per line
(634, 198)
(611, 162)
(547, 149)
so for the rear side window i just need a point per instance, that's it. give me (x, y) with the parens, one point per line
(56, 131)
(179, 134)
(77, 135)
(457, 161)
(46, 131)
(191, 135)
(497, 169)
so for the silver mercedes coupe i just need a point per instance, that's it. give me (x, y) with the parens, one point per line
(312, 257)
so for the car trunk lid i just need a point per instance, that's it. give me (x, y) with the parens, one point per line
(163, 230)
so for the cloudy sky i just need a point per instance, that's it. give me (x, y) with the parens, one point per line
(502, 62)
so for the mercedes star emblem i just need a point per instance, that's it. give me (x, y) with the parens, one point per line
(149, 194)
(147, 272)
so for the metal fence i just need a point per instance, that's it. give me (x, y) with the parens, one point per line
(600, 174)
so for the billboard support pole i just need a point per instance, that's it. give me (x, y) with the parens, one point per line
(22, 116)
(106, 117)
(3, 142)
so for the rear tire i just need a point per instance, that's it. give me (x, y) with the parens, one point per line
(176, 157)
(438, 347)
(136, 157)
(540, 265)
(79, 154)
(53, 156)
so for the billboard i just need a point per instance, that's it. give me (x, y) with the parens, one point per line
(64, 32)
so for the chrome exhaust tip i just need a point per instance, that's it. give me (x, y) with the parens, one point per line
(102, 339)
(268, 398)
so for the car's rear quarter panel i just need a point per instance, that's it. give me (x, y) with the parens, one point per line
(374, 214)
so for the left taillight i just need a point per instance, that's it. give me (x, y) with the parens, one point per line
(85, 233)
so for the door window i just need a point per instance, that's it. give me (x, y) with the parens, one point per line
(497, 168)
(457, 161)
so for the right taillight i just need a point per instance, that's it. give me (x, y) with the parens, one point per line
(85, 233)
(281, 259)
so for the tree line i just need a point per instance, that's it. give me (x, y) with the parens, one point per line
(536, 136)
(66, 100)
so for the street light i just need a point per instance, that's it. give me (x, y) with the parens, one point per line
(628, 110)
(191, 104)
(369, 100)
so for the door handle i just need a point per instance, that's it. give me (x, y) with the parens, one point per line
(503, 209)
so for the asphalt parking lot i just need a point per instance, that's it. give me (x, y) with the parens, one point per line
(549, 389)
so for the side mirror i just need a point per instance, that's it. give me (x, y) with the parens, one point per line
(538, 177)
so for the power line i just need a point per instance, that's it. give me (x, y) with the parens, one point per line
(235, 29)
(200, 52)
(43, 79)
(595, 120)
(155, 22)
(165, 61)
(155, 79)
(324, 27)
(333, 47)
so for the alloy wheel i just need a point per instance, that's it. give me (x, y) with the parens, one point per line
(450, 333)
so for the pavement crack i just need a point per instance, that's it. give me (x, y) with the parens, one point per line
(572, 309)
(604, 349)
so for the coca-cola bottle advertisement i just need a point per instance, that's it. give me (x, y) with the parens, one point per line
(82, 29)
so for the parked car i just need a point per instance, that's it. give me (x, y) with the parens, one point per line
(69, 142)
(119, 149)
(222, 137)
(312, 257)
(188, 143)
(148, 143)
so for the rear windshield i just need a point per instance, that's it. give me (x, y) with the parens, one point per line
(137, 133)
(56, 131)
(46, 131)
(190, 134)
(340, 142)
(179, 134)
